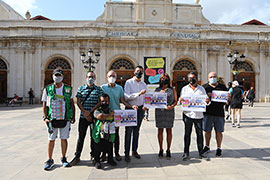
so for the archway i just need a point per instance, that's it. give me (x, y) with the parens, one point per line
(3, 80)
(180, 72)
(53, 64)
(246, 76)
(124, 69)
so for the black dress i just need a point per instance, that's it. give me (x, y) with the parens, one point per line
(236, 100)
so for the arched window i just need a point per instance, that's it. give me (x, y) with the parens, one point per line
(184, 65)
(122, 64)
(244, 66)
(3, 65)
(59, 62)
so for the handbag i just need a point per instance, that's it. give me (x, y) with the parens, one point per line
(59, 123)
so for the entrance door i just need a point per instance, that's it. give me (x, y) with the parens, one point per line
(180, 80)
(3, 86)
(123, 76)
(245, 79)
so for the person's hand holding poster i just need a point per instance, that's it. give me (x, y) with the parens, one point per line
(220, 96)
(194, 103)
(155, 100)
(125, 118)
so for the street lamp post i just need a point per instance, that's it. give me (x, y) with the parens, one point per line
(234, 60)
(89, 62)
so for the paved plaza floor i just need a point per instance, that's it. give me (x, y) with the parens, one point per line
(246, 151)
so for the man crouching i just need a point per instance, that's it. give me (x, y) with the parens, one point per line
(104, 131)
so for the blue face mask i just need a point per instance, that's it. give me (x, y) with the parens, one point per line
(213, 80)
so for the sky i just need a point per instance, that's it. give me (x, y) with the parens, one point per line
(217, 11)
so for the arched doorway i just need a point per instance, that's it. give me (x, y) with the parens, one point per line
(180, 72)
(58, 62)
(124, 69)
(246, 76)
(3, 80)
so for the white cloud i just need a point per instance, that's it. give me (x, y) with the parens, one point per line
(232, 11)
(21, 6)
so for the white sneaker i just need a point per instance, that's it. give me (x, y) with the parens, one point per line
(238, 125)
(233, 125)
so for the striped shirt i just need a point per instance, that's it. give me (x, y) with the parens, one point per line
(92, 99)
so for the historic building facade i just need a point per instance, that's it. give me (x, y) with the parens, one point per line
(124, 34)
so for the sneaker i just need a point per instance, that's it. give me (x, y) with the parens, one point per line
(64, 162)
(238, 125)
(233, 125)
(160, 154)
(118, 157)
(112, 163)
(205, 150)
(203, 156)
(49, 164)
(168, 154)
(127, 158)
(218, 152)
(98, 165)
(74, 161)
(185, 156)
(136, 155)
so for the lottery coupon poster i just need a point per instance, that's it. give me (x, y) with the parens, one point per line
(220, 96)
(194, 103)
(125, 117)
(155, 100)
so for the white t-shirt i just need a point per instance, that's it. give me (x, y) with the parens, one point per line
(59, 91)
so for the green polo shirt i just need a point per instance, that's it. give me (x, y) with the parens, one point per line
(115, 94)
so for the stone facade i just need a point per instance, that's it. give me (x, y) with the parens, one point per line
(132, 31)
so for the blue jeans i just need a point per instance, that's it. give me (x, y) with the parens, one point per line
(136, 132)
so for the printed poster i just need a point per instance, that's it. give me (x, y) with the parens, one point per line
(155, 100)
(220, 96)
(154, 68)
(194, 103)
(125, 117)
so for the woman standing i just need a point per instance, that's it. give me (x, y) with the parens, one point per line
(236, 102)
(165, 117)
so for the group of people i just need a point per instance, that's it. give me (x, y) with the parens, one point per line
(97, 105)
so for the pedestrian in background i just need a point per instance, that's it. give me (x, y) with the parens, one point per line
(236, 102)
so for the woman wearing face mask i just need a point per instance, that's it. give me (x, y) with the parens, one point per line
(165, 117)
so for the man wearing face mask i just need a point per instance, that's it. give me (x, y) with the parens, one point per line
(192, 117)
(214, 115)
(87, 100)
(116, 94)
(135, 89)
(58, 113)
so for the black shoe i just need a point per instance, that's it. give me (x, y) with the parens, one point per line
(98, 165)
(112, 163)
(218, 152)
(64, 162)
(160, 154)
(136, 155)
(168, 154)
(118, 157)
(203, 156)
(49, 164)
(127, 158)
(185, 156)
(205, 150)
(74, 161)
(103, 157)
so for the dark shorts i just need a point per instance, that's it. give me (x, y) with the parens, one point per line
(210, 121)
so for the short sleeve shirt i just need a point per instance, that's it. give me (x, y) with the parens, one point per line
(115, 93)
(215, 108)
(92, 99)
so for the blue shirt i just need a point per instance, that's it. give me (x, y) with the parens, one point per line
(93, 97)
(115, 94)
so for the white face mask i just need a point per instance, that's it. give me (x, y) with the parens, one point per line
(57, 79)
(111, 80)
(90, 81)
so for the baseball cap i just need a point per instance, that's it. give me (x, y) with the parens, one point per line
(58, 71)
(235, 83)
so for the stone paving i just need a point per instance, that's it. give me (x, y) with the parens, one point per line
(246, 151)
